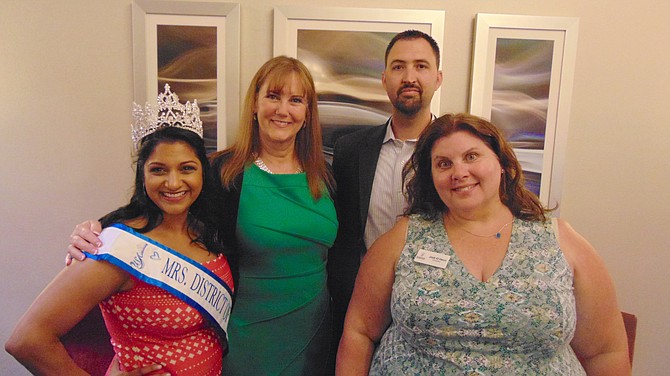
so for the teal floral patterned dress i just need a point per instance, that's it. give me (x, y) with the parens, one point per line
(447, 322)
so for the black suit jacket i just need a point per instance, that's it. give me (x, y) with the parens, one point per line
(354, 163)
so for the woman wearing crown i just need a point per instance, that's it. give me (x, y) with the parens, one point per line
(278, 214)
(162, 281)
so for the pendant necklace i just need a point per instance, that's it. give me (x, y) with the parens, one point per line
(497, 235)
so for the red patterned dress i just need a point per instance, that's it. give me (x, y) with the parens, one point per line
(148, 325)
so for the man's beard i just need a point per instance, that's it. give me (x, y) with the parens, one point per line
(408, 106)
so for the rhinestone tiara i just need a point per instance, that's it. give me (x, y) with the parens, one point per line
(168, 112)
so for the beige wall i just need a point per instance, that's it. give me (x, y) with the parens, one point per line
(66, 90)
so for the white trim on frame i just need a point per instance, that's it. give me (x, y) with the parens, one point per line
(288, 19)
(563, 32)
(146, 14)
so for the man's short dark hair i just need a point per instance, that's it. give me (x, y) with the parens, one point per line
(414, 34)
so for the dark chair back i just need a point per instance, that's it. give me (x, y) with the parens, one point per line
(630, 322)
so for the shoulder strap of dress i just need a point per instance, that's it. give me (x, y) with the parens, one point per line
(554, 227)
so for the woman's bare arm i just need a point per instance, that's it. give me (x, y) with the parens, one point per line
(600, 338)
(35, 342)
(369, 314)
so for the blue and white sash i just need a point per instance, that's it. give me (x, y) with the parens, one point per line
(163, 267)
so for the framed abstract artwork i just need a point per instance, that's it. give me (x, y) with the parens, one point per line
(195, 48)
(344, 50)
(522, 74)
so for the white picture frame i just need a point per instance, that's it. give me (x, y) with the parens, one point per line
(147, 15)
(355, 42)
(500, 87)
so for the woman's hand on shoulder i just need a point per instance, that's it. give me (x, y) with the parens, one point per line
(600, 337)
(84, 238)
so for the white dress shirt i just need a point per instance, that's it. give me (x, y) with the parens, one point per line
(387, 202)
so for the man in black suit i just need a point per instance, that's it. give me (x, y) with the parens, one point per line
(367, 164)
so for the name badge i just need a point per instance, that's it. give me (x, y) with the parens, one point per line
(435, 259)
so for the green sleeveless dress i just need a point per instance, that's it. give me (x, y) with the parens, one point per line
(447, 322)
(280, 324)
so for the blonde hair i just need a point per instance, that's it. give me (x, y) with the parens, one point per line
(277, 72)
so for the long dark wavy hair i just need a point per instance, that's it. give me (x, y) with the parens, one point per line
(200, 221)
(422, 197)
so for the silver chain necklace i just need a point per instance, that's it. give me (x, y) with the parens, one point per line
(259, 162)
(497, 235)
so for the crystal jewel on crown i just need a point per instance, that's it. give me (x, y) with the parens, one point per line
(168, 112)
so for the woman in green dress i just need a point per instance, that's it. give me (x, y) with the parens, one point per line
(280, 216)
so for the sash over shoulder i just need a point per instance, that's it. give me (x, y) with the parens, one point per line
(166, 268)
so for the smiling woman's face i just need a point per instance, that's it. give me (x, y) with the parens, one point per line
(466, 172)
(173, 177)
(281, 112)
